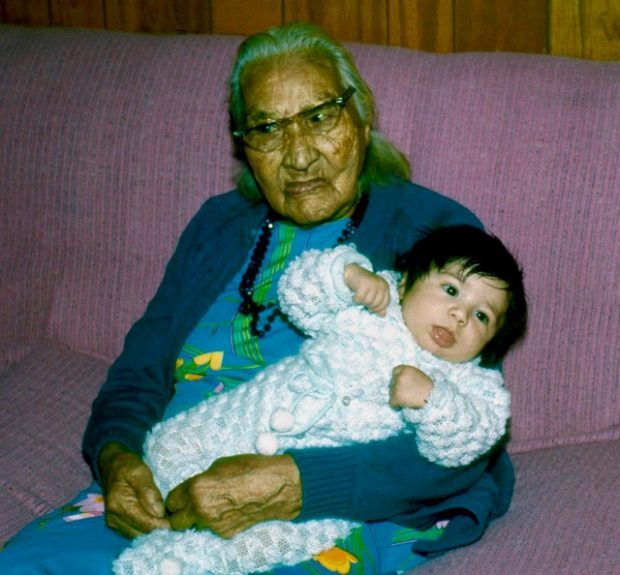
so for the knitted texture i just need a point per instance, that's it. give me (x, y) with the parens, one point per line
(193, 552)
(336, 390)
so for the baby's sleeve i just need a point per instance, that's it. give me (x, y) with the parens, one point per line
(312, 288)
(465, 417)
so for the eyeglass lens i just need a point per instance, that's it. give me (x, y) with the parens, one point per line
(314, 122)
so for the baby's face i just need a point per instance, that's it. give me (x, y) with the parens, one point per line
(454, 317)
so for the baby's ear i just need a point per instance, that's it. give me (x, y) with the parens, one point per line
(402, 285)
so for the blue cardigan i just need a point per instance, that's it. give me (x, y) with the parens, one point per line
(381, 480)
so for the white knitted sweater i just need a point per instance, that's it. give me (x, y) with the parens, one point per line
(334, 391)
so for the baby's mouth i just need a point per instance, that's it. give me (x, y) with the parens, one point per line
(442, 336)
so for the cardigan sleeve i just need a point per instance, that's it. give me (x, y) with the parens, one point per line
(136, 391)
(139, 383)
(390, 480)
(466, 415)
(376, 481)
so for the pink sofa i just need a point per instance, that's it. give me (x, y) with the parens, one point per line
(109, 142)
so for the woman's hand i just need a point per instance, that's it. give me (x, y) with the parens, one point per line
(236, 493)
(369, 289)
(409, 387)
(133, 504)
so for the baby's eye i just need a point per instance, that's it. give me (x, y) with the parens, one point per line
(450, 289)
(482, 317)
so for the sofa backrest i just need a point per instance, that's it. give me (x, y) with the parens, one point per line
(109, 142)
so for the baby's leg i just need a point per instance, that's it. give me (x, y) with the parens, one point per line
(201, 553)
(189, 443)
(223, 425)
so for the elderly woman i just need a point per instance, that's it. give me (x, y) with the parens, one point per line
(314, 174)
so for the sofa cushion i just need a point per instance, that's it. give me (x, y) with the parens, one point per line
(45, 399)
(563, 519)
(110, 143)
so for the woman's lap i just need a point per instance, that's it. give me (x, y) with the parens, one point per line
(74, 539)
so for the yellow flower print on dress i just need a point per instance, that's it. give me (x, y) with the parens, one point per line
(198, 366)
(213, 359)
(92, 506)
(336, 560)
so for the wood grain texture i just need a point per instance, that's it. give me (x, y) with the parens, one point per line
(89, 14)
(245, 16)
(579, 28)
(347, 20)
(585, 28)
(158, 16)
(421, 24)
(25, 13)
(509, 25)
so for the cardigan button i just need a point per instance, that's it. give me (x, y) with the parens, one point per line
(346, 400)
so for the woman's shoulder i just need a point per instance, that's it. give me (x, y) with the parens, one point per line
(224, 215)
(223, 209)
(411, 196)
(399, 213)
(418, 203)
(228, 202)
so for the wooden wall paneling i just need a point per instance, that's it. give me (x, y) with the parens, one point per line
(578, 28)
(346, 20)
(245, 16)
(79, 13)
(565, 30)
(421, 24)
(585, 28)
(125, 15)
(159, 16)
(30, 13)
(193, 16)
(506, 25)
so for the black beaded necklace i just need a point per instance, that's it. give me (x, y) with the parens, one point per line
(252, 308)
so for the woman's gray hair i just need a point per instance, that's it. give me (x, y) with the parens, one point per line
(383, 161)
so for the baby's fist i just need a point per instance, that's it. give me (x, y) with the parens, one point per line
(369, 289)
(409, 387)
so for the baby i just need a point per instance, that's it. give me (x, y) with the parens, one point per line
(386, 354)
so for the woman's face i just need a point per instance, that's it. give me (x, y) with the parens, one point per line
(310, 179)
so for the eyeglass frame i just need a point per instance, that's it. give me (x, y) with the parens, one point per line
(283, 123)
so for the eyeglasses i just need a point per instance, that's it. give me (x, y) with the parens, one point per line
(316, 121)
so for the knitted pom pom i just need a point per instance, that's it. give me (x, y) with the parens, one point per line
(170, 567)
(266, 444)
(282, 420)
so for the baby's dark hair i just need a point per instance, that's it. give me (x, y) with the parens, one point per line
(481, 254)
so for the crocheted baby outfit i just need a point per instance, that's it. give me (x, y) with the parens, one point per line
(334, 391)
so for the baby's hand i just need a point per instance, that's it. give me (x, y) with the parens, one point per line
(409, 387)
(370, 290)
